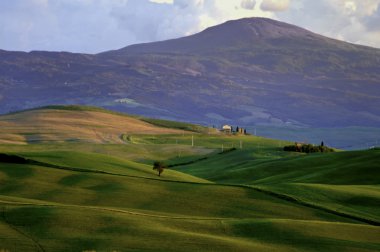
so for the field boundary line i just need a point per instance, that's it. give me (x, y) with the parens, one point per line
(36, 243)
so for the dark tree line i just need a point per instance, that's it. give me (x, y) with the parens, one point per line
(308, 148)
(239, 130)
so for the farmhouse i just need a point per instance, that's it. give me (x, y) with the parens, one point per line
(227, 129)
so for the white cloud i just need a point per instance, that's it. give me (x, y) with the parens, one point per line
(274, 5)
(350, 7)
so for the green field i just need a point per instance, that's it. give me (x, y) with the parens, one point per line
(81, 196)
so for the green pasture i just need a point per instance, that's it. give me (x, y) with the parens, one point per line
(220, 193)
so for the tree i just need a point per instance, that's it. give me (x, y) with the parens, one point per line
(159, 166)
(322, 144)
(237, 129)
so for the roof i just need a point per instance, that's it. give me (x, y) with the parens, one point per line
(227, 127)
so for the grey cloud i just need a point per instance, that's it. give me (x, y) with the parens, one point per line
(328, 18)
(373, 22)
(151, 21)
(99, 25)
(75, 26)
(248, 4)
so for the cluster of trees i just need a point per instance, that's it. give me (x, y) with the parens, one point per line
(240, 130)
(308, 148)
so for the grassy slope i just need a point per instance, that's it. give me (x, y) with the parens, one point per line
(193, 199)
(65, 210)
(345, 181)
(142, 153)
(353, 168)
(61, 210)
(90, 229)
(224, 217)
(106, 163)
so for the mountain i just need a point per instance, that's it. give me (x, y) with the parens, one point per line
(237, 34)
(247, 72)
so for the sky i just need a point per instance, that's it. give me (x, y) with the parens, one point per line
(92, 26)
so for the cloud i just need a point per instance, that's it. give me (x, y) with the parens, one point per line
(356, 8)
(372, 22)
(274, 5)
(182, 17)
(98, 25)
(67, 25)
(354, 21)
(248, 4)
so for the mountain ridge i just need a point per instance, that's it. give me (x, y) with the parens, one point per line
(234, 30)
(286, 76)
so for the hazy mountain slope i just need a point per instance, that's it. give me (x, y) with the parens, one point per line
(245, 71)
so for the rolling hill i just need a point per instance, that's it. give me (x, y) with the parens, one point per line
(62, 195)
(346, 182)
(76, 124)
(249, 71)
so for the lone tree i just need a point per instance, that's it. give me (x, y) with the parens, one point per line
(159, 166)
